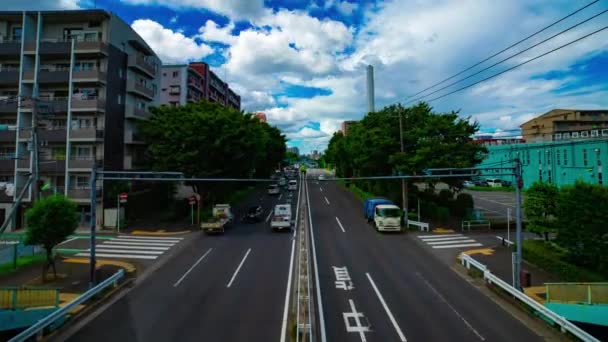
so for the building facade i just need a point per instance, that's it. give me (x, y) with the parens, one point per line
(195, 82)
(86, 78)
(558, 162)
(294, 150)
(566, 124)
(346, 125)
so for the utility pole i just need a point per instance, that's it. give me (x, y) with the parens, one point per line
(403, 182)
(35, 161)
(518, 224)
(92, 260)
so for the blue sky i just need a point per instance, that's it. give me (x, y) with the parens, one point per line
(302, 62)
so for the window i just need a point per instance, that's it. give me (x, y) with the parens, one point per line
(82, 123)
(528, 157)
(80, 182)
(540, 175)
(141, 105)
(120, 73)
(58, 153)
(16, 34)
(585, 157)
(549, 176)
(57, 124)
(597, 155)
(574, 134)
(549, 157)
(174, 90)
(566, 136)
(71, 32)
(595, 133)
(175, 74)
(82, 152)
(164, 74)
(584, 134)
(540, 158)
(174, 103)
(557, 159)
(119, 99)
(565, 157)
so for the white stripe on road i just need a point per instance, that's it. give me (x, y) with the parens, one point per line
(66, 241)
(124, 256)
(314, 258)
(321, 189)
(438, 236)
(105, 250)
(446, 239)
(286, 306)
(116, 242)
(149, 237)
(326, 200)
(450, 306)
(145, 241)
(281, 195)
(388, 311)
(192, 267)
(340, 224)
(269, 214)
(238, 268)
(112, 245)
(460, 245)
(449, 242)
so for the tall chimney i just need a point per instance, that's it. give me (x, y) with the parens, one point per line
(370, 88)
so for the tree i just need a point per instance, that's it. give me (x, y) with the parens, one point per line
(50, 221)
(540, 208)
(582, 224)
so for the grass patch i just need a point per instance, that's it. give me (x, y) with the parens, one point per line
(361, 194)
(554, 260)
(475, 273)
(22, 261)
(492, 189)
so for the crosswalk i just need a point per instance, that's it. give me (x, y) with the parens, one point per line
(133, 247)
(442, 241)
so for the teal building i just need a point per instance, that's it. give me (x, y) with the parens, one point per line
(558, 162)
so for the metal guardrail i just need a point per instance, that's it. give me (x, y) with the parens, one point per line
(38, 328)
(564, 324)
(15, 298)
(475, 223)
(423, 226)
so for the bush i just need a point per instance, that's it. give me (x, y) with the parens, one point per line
(553, 260)
(462, 205)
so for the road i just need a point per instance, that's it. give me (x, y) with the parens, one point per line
(229, 287)
(387, 287)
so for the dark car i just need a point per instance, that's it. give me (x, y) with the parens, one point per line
(480, 182)
(254, 214)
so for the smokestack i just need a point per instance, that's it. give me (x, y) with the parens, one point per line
(370, 88)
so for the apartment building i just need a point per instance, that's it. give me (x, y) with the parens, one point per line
(88, 78)
(194, 82)
(566, 124)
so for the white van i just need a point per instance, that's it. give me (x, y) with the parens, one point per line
(494, 182)
(281, 217)
(293, 185)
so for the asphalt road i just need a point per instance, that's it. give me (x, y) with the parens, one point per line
(400, 291)
(229, 287)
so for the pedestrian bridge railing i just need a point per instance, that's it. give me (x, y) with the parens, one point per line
(577, 293)
(564, 324)
(20, 298)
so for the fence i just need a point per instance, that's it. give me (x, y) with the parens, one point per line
(38, 328)
(475, 224)
(490, 278)
(14, 298)
(579, 293)
(423, 226)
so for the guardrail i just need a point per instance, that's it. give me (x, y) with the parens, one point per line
(490, 278)
(423, 226)
(38, 328)
(475, 223)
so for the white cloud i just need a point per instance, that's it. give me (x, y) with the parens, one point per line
(346, 8)
(170, 46)
(238, 9)
(25, 5)
(306, 133)
(211, 32)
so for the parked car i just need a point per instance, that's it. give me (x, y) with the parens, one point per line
(506, 183)
(254, 214)
(468, 184)
(480, 182)
(494, 182)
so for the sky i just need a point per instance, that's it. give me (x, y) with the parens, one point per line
(303, 62)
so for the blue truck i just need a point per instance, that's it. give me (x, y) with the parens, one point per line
(370, 204)
(383, 214)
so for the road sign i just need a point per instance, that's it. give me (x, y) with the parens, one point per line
(192, 200)
(123, 197)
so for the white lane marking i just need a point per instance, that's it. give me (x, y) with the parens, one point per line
(314, 258)
(149, 237)
(326, 200)
(340, 224)
(281, 195)
(238, 268)
(66, 241)
(123, 256)
(192, 267)
(321, 189)
(106, 250)
(286, 306)
(460, 245)
(356, 319)
(449, 242)
(388, 311)
(438, 236)
(146, 241)
(455, 238)
(111, 245)
(428, 284)
(159, 244)
(269, 214)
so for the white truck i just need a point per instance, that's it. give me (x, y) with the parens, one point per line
(221, 217)
(387, 217)
(281, 217)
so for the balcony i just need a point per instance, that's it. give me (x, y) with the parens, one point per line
(7, 136)
(89, 76)
(10, 48)
(91, 47)
(138, 62)
(8, 107)
(9, 76)
(88, 103)
(136, 113)
(48, 135)
(7, 164)
(88, 133)
(47, 105)
(47, 76)
(196, 84)
(139, 89)
(86, 162)
(133, 138)
(81, 194)
(45, 165)
(55, 47)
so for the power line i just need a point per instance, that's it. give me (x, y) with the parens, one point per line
(520, 64)
(510, 57)
(505, 49)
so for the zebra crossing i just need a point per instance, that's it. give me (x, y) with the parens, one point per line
(133, 247)
(442, 241)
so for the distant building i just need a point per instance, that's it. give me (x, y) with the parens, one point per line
(195, 82)
(293, 150)
(490, 141)
(261, 116)
(315, 155)
(346, 125)
(566, 124)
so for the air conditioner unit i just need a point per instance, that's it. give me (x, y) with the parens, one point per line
(584, 134)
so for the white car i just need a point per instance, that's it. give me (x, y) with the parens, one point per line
(322, 177)
(273, 189)
(293, 185)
